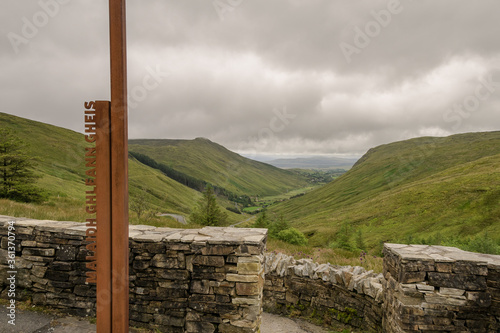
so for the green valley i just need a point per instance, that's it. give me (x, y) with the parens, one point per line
(439, 190)
(60, 165)
(442, 190)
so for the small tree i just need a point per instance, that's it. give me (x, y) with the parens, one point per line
(207, 212)
(262, 221)
(360, 241)
(16, 169)
(139, 204)
(277, 226)
(343, 237)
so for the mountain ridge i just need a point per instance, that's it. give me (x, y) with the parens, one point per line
(221, 167)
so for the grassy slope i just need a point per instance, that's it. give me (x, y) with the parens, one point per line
(419, 188)
(60, 154)
(203, 159)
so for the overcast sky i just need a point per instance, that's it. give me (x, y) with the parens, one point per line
(262, 76)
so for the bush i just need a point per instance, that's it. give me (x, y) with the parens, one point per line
(27, 193)
(481, 243)
(292, 236)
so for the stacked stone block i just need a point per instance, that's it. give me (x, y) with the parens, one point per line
(50, 264)
(440, 289)
(181, 280)
(212, 279)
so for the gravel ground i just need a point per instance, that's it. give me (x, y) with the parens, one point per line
(276, 324)
(34, 322)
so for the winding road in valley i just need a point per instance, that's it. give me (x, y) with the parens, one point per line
(178, 218)
(238, 223)
(182, 219)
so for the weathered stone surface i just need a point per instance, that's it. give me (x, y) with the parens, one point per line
(248, 267)
(451, 291)
(200, 286)
(164, 261)
(457, 281)
(214, 261)
(242, 278)
(66, 253)
(38, 252)
(196, 327)
(247, 289)
(245, 301)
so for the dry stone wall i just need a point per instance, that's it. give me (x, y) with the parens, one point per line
(219, 279)
(206, 280)
(346, 294)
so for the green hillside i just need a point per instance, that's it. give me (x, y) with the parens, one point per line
(419, 189)
(60, 163)
(206, 160)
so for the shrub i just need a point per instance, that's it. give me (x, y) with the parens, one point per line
(292, 236)
(483, 244)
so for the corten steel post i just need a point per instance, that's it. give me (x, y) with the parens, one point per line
(103, 196)
(119, 170)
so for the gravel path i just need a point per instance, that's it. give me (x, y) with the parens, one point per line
(178, 218)
(34, 322)
(234, 225)
(276, 324)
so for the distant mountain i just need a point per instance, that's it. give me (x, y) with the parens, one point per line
(318, 163)
(408, 191)
(208, 161)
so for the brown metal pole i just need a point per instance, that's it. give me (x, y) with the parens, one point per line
(103, 194)
(119, 168)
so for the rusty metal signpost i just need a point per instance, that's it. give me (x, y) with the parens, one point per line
(107, 233)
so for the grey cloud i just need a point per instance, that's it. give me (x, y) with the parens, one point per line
(226, 79)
